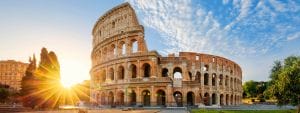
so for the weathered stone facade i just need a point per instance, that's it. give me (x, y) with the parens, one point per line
(125, 73)
(11, 73)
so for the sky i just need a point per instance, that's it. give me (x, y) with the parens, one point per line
(253, 33)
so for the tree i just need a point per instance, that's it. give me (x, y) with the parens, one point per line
(41, 85)
(249, 88)
(285, 81)
(4, 93)
(28, 84)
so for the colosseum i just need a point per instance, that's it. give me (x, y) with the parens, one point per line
(125, 73)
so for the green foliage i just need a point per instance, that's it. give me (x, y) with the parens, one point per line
(4, 94)
(253, 89)
(285, 81)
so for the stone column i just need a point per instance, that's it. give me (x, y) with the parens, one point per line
(153, 95)
(138, 96)
(218, 99)
(210, 98)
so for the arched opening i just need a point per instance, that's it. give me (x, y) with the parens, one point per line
(147, 70)
(113, 24)
(111, 98)
(98, 98)
(132, 98)
(177, 72)
(231, 82)
(133, 71)
(146, 97)
(226, 80)
(206, 78)
(227, 99)
(161, 98)
(190, 75)
(178, 98)
(102, 98)
(198, 77)
(221, 80)
(114, 49)
(123, 49)
(103, 76)
(206, 99)
(213, 80)
(134, 48)
(231, 100)
(121, 72)
(235, 99)
(205, 68)
(214, 99)
(164, 72)
(190, 98)
(221, 99)
(120, 98)
(104, 53)
(111, 74)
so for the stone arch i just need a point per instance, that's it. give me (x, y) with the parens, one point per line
(104, 53)
(205, 68)
(164, 72)
(146, 97)
(235, 100)
(221, 100)
(133, 71)
(231, 82)
(98, 98)
(178, 98)
(111, 98)
(113, 50)
(226, 80)
(122, 48)
(206, 99)
(102, 101)
(103, 76)
(206, 77)
(214, 99)
(198, 77)
(147, 69)
(161, 98)
(231, 100)
(177, 72)
(221, 79)
(213, 79)
(134, 46)
(121, 73)
(111, 74)
(121, 97)
(190, 98)
(132, 99)
(227, 99)
(190, 76)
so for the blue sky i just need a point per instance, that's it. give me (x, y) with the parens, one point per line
(251, 33)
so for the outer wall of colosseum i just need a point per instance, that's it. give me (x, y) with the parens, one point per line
(125, 73)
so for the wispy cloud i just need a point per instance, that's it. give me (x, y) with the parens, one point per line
(293, 36)
(257, 27)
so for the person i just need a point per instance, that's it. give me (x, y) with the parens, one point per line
(14, 105)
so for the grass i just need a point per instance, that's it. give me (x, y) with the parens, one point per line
(242, 111)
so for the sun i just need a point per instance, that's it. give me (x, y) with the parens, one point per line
(67, 84)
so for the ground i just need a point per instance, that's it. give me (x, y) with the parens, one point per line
(243, 111)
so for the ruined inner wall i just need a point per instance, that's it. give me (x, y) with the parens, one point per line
(124, 72)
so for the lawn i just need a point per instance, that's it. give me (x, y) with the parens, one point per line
(242, 111)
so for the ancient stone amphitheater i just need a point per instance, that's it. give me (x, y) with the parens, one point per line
(125, 73)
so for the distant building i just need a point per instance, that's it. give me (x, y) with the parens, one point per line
(11, 73)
